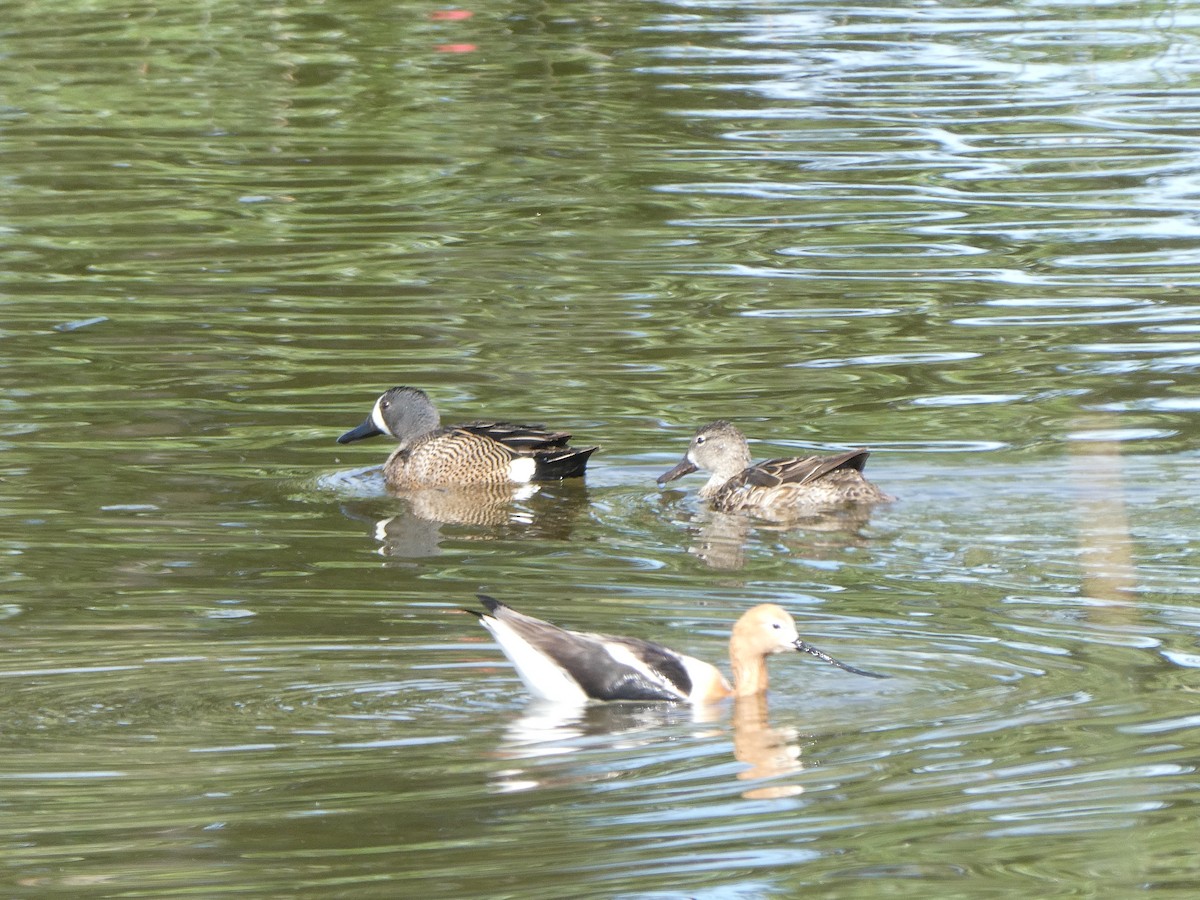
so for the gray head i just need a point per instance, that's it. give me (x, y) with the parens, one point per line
(719, 448)
(405, 413)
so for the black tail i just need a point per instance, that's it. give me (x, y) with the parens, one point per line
(490, 603)
(565, 464)
(856, 459)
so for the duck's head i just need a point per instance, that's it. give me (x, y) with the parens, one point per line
(718, 447)
(405, 413)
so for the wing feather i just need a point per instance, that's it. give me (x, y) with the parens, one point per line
(775, 472)
(524, 439)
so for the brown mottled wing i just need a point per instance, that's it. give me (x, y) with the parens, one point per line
(774, 472)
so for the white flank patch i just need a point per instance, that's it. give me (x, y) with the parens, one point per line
(521, 469)
(377, 418)
(542, 676)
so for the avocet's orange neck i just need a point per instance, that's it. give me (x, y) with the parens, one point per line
(749, 669)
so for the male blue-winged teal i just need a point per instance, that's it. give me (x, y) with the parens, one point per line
(574, 666)
(477, 453)
(777, 487)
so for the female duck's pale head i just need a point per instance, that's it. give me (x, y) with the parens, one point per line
(718, 448)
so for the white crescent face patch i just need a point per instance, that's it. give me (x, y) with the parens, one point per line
(377, 418)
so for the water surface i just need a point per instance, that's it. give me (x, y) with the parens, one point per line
(962, 235)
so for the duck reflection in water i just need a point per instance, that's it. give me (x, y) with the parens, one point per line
(570, 668)
(771, 753)
(720, 539)
(546, 731)
(414, 525)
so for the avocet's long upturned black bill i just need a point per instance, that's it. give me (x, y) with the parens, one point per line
(821, 654)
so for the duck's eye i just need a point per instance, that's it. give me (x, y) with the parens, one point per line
(700, 439)
(776, 625)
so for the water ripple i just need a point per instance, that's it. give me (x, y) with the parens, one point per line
(887, 359)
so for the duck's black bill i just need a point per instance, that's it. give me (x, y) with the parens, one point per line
(820, 654)
(685, 467)
(365, 430)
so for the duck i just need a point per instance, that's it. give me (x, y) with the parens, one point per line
(575, 667)
(776, 488)
(477, 453)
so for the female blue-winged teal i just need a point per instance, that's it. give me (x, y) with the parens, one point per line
(575, 666)
(477, 453)
(777, 487)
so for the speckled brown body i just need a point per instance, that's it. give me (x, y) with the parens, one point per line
(776, 488)
(478, 453)
(449, 457)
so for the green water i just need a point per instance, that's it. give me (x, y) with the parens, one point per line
(963, 235)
